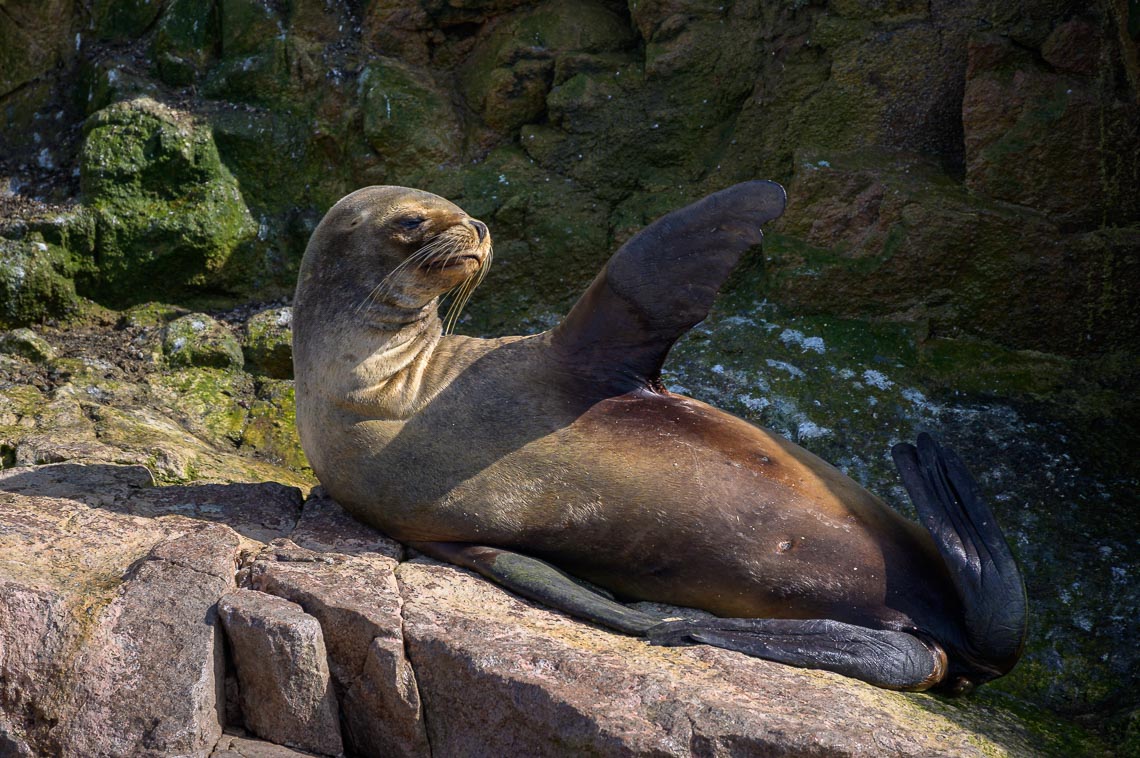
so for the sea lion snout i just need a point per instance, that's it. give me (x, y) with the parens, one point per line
(480, 228)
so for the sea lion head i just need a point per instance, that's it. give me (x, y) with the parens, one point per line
(391, 251)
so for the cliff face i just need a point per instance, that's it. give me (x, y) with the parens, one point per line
(936, 152)
(961, 250)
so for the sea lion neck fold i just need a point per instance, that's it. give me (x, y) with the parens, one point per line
(369, 289)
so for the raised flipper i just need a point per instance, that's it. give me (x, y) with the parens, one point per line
(539, 581)
(661, 283)
(980, 562)
(891, 659)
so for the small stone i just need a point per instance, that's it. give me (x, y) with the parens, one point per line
(26, 344)
(286, 690)
(267, 342)
(198, 340)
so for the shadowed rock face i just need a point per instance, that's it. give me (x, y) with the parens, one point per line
(124, 631)
(215, 135)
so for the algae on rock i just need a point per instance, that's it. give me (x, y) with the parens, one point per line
(168, 213)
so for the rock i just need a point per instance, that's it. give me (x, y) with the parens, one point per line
(324, 527)
(1082, 158)
(358, 603)
(35, 37)
(169, 213)
(271, 427)
(198, 340)
(107, 625)
(887, 234)
(26, 344)
(233, 746)
(551, 686)
(511, 71)
(35, 282)
(408, 121)
(286, 694)
(267, 342)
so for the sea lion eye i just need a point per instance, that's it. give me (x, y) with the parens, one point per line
(411, 222)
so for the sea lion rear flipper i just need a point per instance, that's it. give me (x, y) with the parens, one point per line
(891, 659)
(662, 282)
(539, 581)
(980, 562)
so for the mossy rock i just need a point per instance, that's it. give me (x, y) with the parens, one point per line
(280, 74)
(246, 26)
(185, 39)
(26, 344)
(507, 77)
(1060, 142)
(33, 39)
(550, 235)
(169, 215)
(267, 342)
(119, 20)
(271, 432)
(408, 120)
(206, 401)
(199, 341)
(888, 234)
(35, 282)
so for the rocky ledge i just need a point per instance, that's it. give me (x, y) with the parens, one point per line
(147, 620)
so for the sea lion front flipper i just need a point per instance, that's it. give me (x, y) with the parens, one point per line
(539, 581)
(895, 660)
(661, 283)
(980, 562)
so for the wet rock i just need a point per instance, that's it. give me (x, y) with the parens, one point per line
(286, 694)
(26, 344)
(267, 342)
(1082, 154)
(169, 213)
(198, 340)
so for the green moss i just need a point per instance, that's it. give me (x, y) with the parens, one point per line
(271, 432)
(35, 282)
(168, 214)
(207, 401)
(198, 340)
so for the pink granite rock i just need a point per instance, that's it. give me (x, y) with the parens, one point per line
(279, 652)
(501, 677)
(357, 601)
(109, 642)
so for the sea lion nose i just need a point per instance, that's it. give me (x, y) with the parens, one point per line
(480, 228)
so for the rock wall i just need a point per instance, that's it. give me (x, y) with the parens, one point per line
(936, 152)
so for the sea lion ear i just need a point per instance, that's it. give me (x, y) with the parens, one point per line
(661, 283)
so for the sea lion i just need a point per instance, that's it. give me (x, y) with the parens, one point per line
(527, 457)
